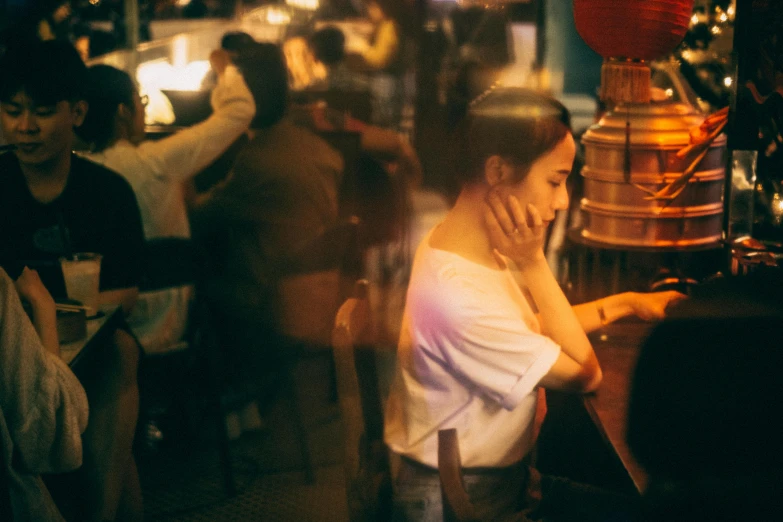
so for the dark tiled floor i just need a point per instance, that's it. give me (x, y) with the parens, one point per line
(182, 480)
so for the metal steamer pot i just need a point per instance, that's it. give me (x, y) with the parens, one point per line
(630, 154)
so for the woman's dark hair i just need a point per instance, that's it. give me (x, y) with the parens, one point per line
(516, 124)
(107, 89)
(264, 69)
(236, 41)
(328, 45)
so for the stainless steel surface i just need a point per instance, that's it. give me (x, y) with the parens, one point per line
(659, 125)
(674, 231)
(744, 262)
(617, 204)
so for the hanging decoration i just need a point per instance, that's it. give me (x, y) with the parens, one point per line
(627, 35)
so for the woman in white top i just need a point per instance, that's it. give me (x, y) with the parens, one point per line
(472, 351)
(156, 170)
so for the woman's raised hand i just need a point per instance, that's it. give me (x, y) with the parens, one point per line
(219, 59)
(515, 233)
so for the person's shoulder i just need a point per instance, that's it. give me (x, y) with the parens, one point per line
(454, 282)
(97, 176)
(310, 141)
(5, 281)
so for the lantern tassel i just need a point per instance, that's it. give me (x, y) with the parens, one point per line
(625, 81)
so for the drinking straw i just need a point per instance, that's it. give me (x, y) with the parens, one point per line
(64, 236)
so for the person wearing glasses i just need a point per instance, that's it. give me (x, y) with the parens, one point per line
(156, 170)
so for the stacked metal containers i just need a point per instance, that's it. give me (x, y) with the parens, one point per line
(630, 157)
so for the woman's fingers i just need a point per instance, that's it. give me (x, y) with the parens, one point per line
(673, 297)
(497, 235)
(520, 222)
(535, 220)
(500, 212)
(527, 220)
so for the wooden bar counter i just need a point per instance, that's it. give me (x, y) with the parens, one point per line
(617, 348)
(583, 436)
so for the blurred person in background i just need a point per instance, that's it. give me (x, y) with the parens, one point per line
(281, 194)
(382, 58)
(48, 20)
(160, 173)
(156, 170)
(328, 47)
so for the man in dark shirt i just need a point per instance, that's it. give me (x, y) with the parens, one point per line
(52, 202)
(99, 214)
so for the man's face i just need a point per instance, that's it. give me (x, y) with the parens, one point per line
(41, 133)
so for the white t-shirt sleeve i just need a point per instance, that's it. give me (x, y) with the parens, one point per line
(490, 346)
(190, 150)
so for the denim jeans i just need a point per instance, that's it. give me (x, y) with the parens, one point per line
(496, 494)
(502, 495)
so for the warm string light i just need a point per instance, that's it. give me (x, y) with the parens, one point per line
(278, 17)
(310, 5)
(478, 99)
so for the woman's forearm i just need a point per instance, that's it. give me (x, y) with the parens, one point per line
(559, 320)
(595, 314)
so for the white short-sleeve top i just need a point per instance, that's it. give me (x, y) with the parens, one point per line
(470, 357)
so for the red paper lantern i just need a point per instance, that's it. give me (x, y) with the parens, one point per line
(640, 29)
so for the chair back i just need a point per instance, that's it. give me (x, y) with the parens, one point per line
(456, 502)
(366, 459)
(310, 285)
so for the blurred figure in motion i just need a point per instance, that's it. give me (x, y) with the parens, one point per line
(281, 194)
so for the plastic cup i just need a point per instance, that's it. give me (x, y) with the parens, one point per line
(82, 274)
